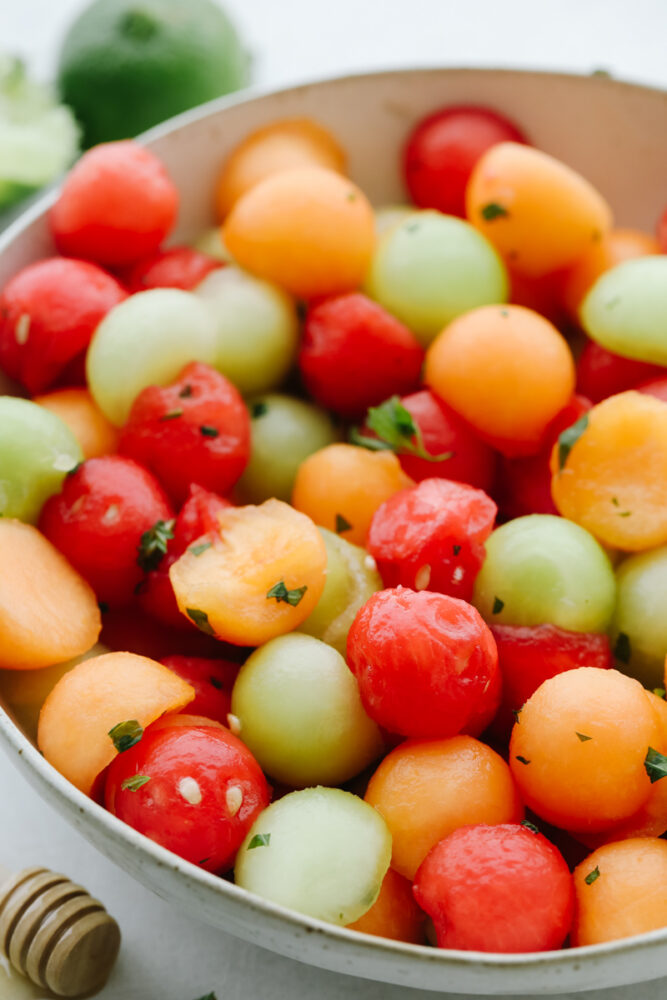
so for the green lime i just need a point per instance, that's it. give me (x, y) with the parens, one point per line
(126, 65)
(38, 136)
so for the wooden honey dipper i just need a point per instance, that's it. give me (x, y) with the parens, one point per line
(56, 934)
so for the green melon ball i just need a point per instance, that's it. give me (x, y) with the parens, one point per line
(37, 450)
(301, 713)
(639, 628)
(285, 431)
(257, 328)
(352, 577)
(146, 340)
(543, 568)
(320, 851)
(626, 309)
(430, 268)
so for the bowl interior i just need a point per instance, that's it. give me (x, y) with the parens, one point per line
(616, 135)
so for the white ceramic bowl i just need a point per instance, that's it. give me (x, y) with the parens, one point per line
(616, 135)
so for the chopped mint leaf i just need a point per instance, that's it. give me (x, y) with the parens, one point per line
(198, 549)
(659, 692)
(342, 524)
(280, 592)
(208, 431)
(522, 760)
(200, 618)
(259, 840)
(396, 431)
(582, 737)
(125, 735)
(456, 549)
(529, 826)
(493, 211)
(185, 392)
(498, 606)
(568, 438)
(592, 876)
(134, 783)
(172, 415)
(258, 409)
(153, 545)
(655, 765)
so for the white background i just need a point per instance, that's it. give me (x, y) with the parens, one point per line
(165, 955)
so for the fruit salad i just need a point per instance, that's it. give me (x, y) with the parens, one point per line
(333, 544)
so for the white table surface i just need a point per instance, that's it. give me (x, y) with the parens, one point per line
(166, 955)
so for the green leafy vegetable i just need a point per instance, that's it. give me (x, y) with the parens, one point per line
(172, 415)
(134, 783)
(153, 545)
(655, 764)
(208, 431)
(198, 549)
(493, 211)
(200, 618)
(498, 606)
(259, 840)
(568, 438)
(396, 431)
(522, 760)
(592, 876)
(582, 737)
(280, 592)
(529, 826)
(126, 734)
(342, 524)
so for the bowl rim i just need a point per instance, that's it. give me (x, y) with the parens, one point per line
(86, 814)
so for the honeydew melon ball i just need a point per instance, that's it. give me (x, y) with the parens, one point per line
(639, 629)
(146, 340)
(37, 450)
(301, 714)
(320, 851)
(257, 328)
(431, 268)
(352, 577)
(544, 569)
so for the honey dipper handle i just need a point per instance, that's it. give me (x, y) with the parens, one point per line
(55, 933)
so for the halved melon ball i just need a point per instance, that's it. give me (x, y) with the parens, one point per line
(48, 613)
(100, 708)
(259, 576)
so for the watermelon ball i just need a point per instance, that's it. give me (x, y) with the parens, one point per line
(431, 537)
(355, 354)
(501, 888)
(425, 662)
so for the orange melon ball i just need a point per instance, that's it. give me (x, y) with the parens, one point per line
(506, 370)
(48, 613)
(426, 789)
(611, 475)
(620, 891)
(612, 249)
(308, 230)
(341, 486)
(91, 700)
(538, 213)
(395, 913)
(258, 577)
(25, 691)
(651, 819)
(90, 427)
(578, 749)
(280, 145)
